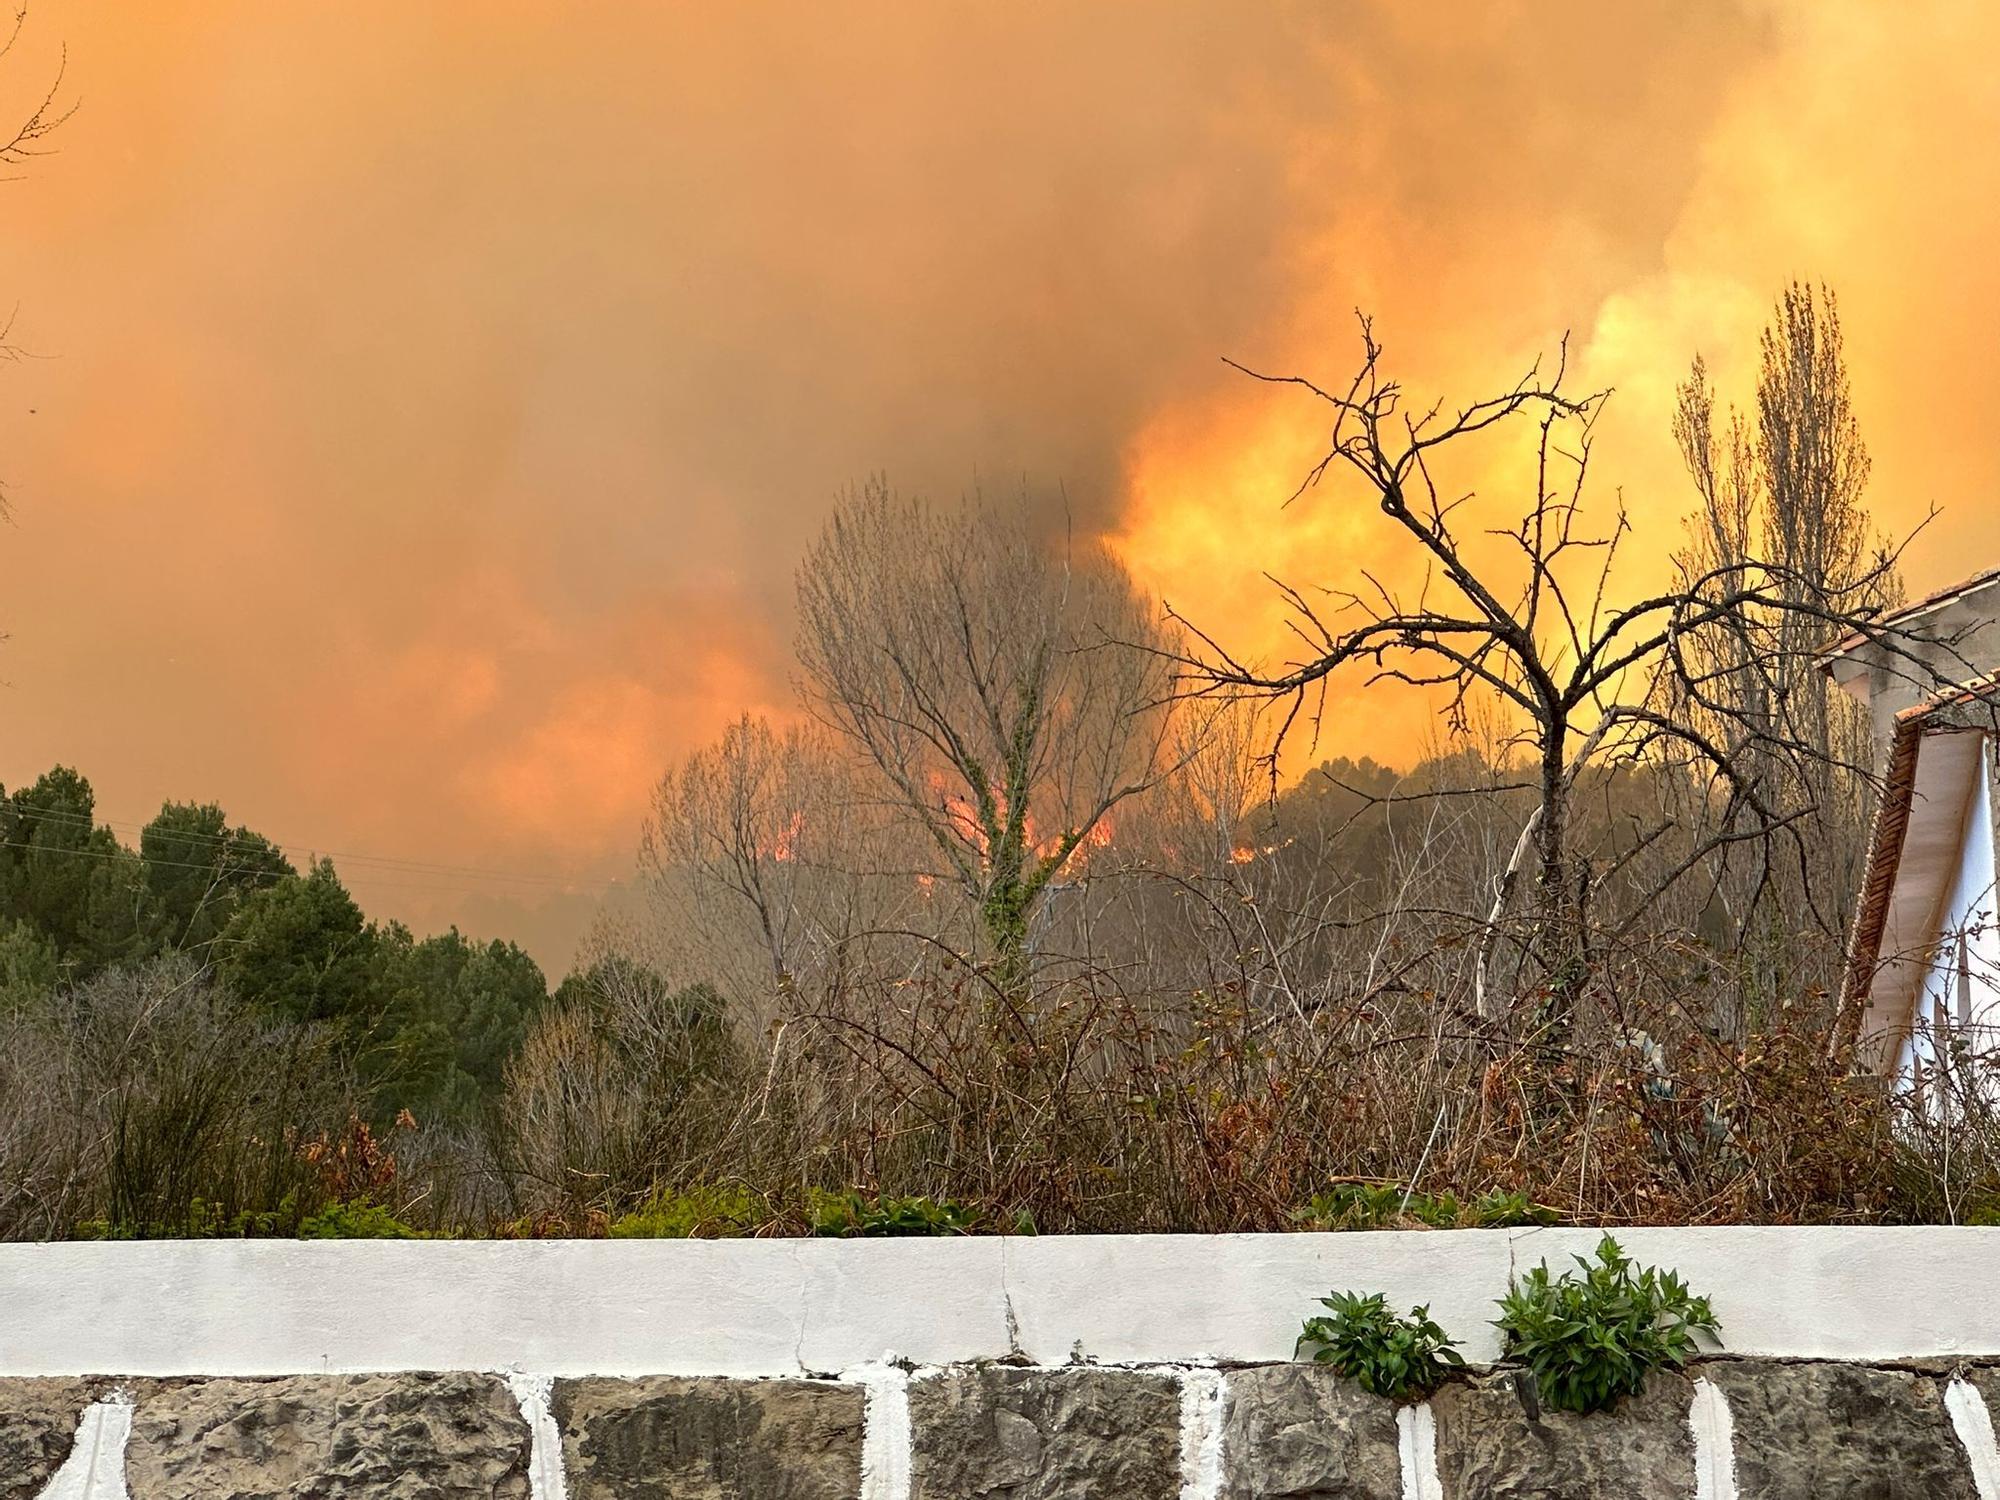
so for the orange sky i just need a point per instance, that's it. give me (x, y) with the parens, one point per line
(437, 397)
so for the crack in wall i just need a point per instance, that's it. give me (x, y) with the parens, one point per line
(805, 1303)
(1013, 1322)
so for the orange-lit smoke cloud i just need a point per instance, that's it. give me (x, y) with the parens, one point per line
(441, 395)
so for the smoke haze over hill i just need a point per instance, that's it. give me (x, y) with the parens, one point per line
(438, 398)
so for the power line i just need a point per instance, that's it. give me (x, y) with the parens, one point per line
(392, 863)
(571, 888)
(579, 887)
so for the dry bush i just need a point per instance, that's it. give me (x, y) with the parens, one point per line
(150, 1101)
(49, 1173)
(613, 1094)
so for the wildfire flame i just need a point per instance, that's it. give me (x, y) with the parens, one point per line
(785, 845)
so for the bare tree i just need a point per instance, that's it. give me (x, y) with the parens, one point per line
(30, 138)
(1786, 487)
(1523, 619)
(766, 846)
(993, 683)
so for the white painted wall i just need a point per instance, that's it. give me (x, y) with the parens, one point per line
(779, 1307)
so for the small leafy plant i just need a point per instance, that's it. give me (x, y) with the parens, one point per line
(1367, 1205)
(1590, 1339)
(854, 1213)
(1401, 1358)
(1499, 1209)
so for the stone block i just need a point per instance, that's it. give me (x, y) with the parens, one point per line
(1301, 1430)
(995, 1432)
(1823, 1431)
(37, 1421)
(665, 1438)
(330, 1437)
(1489, 1448)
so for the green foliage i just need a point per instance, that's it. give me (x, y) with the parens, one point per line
(1362, 1205)
(854, 1213)
(67, 878)
(300, 949)
(359, 1219)
(699, 1212)
(1504, 1210)
(451, 1012)
(30, 967)
(1402, 1358)
(200, 1220)
(1591, 1339)
(356, 1219)
(198, 870)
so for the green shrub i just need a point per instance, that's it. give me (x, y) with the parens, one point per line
(1503, 1210)
(352, 1219)
(854, 1213)
(1401, 1358)
(356, 1219)
(698, 1212)
(200, 1220)
(1365, 1205)
(1590, 1339)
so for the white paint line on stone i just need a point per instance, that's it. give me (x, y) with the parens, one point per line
(545, 1455)
(885, 1431)
(1417, 1451)
(1714, 1443)
(95, 1468)
(1203, 1391)
(1974, 1425)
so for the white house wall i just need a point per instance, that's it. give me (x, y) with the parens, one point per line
(1948, 781)
(1966, 913)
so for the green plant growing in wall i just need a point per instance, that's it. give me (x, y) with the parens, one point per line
(1402, 1358)
(1589, 1339)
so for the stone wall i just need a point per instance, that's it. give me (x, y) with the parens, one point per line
(1754, 1429)
(1858, 1363)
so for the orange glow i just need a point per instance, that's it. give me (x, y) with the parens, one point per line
(412, 496)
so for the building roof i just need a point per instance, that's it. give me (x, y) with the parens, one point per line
(1911, 611)
(1913, 850)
